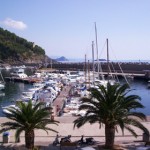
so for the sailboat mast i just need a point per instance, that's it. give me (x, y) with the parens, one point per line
(99, 69)
(88, 73)
(108, 58)
(85, 69)
(96, 49)
(2, 77)
(93, 60)
(51, 64)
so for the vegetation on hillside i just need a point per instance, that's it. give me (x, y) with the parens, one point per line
(15, 48)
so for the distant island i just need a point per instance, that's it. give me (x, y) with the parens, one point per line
(101, 60)
(62, 58)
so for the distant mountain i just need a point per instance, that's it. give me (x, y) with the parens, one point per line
(62, 58)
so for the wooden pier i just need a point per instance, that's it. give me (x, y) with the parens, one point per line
(60, 100)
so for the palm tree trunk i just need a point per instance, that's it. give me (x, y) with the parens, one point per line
(109, 136)
(29, 139)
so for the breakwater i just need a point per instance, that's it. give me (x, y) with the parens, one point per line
(126, 67)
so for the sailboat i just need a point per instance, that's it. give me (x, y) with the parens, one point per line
(2, 83)
(97, 75)
(110, 78)
(100, 80)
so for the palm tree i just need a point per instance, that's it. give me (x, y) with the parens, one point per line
(114, 107)
(28, 117)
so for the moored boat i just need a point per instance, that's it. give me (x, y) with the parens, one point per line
(2, 83)
(2, 86)
(19, 73)
(6, 108)
(148, 84)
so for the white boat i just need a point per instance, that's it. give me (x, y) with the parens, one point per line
(19, 72)
(7, 67)
(148, 84)
(2, 83)
(2, 93)
(5, 109)
(27, 95)
(36, 87)
(23, 66)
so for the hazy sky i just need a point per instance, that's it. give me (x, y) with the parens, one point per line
(66, 27)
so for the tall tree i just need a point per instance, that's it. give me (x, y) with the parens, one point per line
(28, 117)
(114, 107)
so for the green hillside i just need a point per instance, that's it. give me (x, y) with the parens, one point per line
(16, 49)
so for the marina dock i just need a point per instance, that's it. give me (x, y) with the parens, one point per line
(59, 102)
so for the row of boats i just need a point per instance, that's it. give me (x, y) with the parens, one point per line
(47, 89)
(50, 85)
(8, 67)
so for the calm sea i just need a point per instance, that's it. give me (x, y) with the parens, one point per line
(13, 91)
(104, 60)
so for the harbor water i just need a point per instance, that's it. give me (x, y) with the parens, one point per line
(13, 91)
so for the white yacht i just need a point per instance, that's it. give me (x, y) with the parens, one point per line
(2, 85)
(148, 84)
(5, 109)
(7, 67)
(19, 72)
(27, 95)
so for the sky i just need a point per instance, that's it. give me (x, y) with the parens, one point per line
(67, 27)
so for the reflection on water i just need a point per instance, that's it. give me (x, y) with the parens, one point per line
(12, 92)
(143, 91)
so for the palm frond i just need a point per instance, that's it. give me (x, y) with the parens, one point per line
(80, 122)
(130, 130)
(112, 106)
(138, 115)
(136, 123)
(18, 132)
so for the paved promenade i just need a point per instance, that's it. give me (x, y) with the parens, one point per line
(65, 128)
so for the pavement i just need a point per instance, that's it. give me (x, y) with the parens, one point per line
(65, 128)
